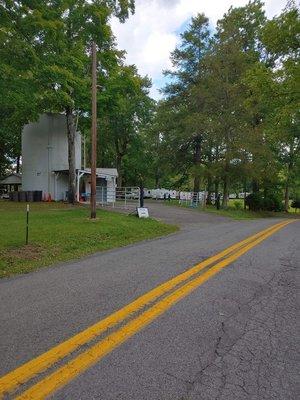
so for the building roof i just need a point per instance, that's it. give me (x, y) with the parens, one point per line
(110, 172)
(12, 179)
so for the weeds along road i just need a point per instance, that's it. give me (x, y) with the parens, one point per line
(207, 313)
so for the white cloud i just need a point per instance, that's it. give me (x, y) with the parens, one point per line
(150, 34)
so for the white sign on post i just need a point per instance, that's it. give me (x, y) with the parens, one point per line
(143, 212)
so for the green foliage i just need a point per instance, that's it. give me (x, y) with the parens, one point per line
(281, 35)
(125, 109)
(271, 202)
(182, 133)
(56, 74)
(229, 120)
(254, 201)
(44, 58)
(237, 205)
(296, 204)
(236, 98)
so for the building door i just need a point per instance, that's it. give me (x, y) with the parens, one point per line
(101, 190)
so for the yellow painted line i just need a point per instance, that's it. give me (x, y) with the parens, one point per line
(39, 364)
(85, 360)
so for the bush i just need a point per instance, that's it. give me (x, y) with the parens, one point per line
(237, 205)
(273, 203)
(296, 203)
(256, 202)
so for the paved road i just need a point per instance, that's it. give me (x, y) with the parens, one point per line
(232, 338)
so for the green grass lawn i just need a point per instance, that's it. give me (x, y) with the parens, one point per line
(59, 232)
(237, 212)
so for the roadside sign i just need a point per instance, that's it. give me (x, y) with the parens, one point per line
(143, 212)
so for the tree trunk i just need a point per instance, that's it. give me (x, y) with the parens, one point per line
(18, 164)
(209, 190)
(245, 190)
(226, 184)
(287, 187)
(196, 188)
(287, 197)
(119, 169)
(216, 188)
(197, 163)
(255, 186)
(157, 176)
(287, 182)
(225, 191)
(71, 130)
(256, 122)
(156, 181)
(217, 181)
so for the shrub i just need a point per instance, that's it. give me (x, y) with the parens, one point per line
(273, 203)
(237, 205)
(254, 201)
(296, 203)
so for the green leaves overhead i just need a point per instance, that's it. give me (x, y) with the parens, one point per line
(229, 119)
(45, 56)
(232, 105)
(125, 109)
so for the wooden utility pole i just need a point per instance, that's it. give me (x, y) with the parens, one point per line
(94, 131)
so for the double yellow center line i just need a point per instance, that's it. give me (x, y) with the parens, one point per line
(48, 372)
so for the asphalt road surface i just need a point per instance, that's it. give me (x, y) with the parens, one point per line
(229, 333)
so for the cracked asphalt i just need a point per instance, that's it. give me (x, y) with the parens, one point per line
(233, 338)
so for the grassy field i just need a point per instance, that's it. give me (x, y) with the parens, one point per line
(236, 210)
(59, 232)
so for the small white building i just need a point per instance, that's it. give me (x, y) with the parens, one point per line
(105, 184)
(45, 162)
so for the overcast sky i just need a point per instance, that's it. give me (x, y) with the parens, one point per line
(153, 31)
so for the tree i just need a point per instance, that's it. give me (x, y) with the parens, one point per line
(281, 39)
(206, 95)
(126, 108)
(235, 50)
(17, 85)
(59, 34)
(272, 86)
(186, 60)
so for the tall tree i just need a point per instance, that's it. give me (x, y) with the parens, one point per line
(235, 50)
(273, 87)
(59, 34)
(126, 108)
(17, 85)
(186, 73)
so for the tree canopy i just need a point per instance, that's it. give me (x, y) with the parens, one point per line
(231, 111)
(228, 120)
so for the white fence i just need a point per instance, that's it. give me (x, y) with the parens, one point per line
(129, 197)
(192, 199)
(124, 197)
